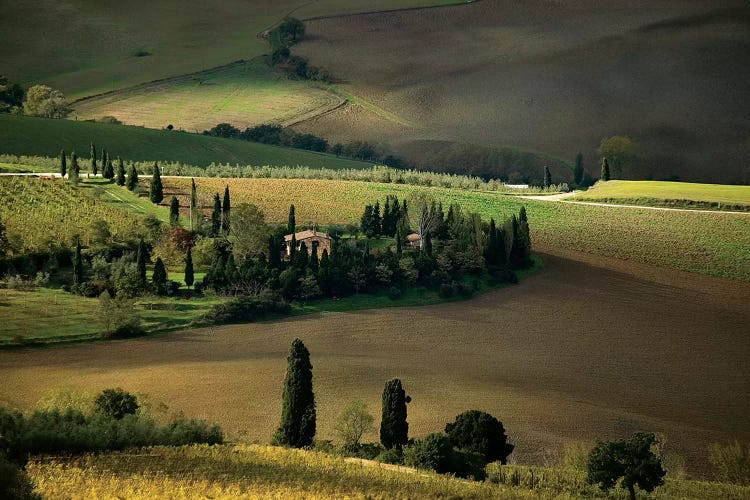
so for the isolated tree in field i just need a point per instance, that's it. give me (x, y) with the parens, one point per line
(353, 423)
(605, 170)
(194, 212)
(94, 168)
(116, 403)
(77, 264)
(189, 273)
(159, 277)
(132, 182)
(156, 191)
(620, 151)
(630, 459)
(63, 163)
(547, 177)
(216, 216)
(42, 100)
(481, 433)
(120, 176)
(174, 211)
(225, 212)
(297, 427)
(394, 429)
(291, 226)
(578, 170)
(141, 262)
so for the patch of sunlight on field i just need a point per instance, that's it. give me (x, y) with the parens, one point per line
(663, 190)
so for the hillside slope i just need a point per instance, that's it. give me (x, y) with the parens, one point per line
(22, 135)
(554, 78)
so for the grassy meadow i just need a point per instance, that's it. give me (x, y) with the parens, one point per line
(244, 94)
(669, 194)
(22, 135)
(222, 471)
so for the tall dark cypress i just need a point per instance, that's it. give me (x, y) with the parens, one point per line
(74, 171)
(94, 169)
(63, 163)
(291, 226)
(605, 170)
(159, 277)
(547, 177)
(120, 177)
(108, 171)
(174, 211)
(394, 429)
(78, 264)
(274, 253)
(194, 211)
(132, 182)
(156, 192)
(578, 170)
(140, 262)
(189, 273)
(216, 216)
(297, 428)
(225, 212)
(376, 220)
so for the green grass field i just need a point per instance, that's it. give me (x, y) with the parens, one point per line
(22, 135)
(669, 194)
(222, 472)
(243, 94)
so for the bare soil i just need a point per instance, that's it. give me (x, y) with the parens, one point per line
(577, 352)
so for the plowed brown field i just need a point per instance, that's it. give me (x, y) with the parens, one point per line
(576, 352)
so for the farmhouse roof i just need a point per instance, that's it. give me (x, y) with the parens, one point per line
(413, 237)
(306, 235)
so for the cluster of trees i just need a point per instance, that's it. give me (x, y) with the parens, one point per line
(270, 134)
(38, 100)
(289, 32)
(474, 439)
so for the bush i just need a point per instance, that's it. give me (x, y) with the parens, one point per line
(395, 293)
(14, 482)
(116, 403)
(246, 308)
(446, 290)
(436, 452)
(731, 462)
(393, 456)
(481, 433)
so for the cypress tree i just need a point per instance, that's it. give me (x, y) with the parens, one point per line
(78, 264)
(74, 171)
(132, 182)
(159, 278)
(108, 170)
(394, 429)
(297, 428)
(225, 209)
(156, 192)
(301, 258)
(547, 177)
(216, 216)
(189, 274)
(63, 163)
(605, 170)
(120, 178)
(428, 244)
(293, 247)
(274, 253)
(174, 211)
(94, 169)
(141, 262)
(578, 170)
(376, 220)
(314, 261)
(399, 241)
(194, 214)
(291, 226)
(522, 214)
(365, 223)
(385, 223)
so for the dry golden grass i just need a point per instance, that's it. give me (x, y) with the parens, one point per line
(573, 353)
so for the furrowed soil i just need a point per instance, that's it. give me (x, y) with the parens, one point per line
(550, 76)
(576, 352)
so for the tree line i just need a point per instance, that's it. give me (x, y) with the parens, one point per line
(37, 100)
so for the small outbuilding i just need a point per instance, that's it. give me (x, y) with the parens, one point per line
(413, 240)
(310, 238)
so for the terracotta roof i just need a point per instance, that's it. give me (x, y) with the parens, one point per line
(413, 237)
(305, 235)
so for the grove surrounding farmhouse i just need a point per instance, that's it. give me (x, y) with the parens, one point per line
(309, 237)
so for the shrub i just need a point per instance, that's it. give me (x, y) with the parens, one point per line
(395, 293)
(481, 433)
(116, 403)
(14, 482)
(731, 461)
(246, 308)
(436, 452)
(392, 456)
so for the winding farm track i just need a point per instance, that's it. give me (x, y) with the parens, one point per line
(587, 348)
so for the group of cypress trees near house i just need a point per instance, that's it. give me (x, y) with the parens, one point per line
(391, 222)
(220, 215)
